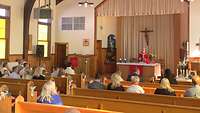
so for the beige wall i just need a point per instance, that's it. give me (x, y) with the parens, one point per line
(16, 25)
(70, 8)
(194, 28)
(106, 26)
(34, 27)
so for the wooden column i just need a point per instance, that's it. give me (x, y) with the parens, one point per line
(27, 14)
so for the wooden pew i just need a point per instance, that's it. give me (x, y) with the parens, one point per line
(60, 83)
(154, 85)
(30, 107)
(125, 105)
(6, 105)
(16, 88)
(137, 97)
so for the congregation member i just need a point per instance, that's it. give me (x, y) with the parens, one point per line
(116, 82)
(15, 73)
(194, 91)
(42, 69)
(135, 73)
(96, 84)
(20, 63)
(4, 91)
(69, 69)
(49, 94)
(26, 72)
(165, 88)
(37, 75)
(135, 88)
(5, 68)
(6, 74)
(168, 74)
(55, 72)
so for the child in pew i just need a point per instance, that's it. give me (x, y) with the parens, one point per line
(194, 91)
(116, 82)
(49, 94)
(165, 88)
(135, 88)
(96, 84)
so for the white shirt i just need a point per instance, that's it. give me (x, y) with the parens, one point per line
(135, 89)
(70, 71)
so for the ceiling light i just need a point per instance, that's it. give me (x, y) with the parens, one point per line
(86, 4)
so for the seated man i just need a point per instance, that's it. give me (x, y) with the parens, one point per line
(135, 88)
(96, 84)
(195, 90)
(15, 73)
(69, 69)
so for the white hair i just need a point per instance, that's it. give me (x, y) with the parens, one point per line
(72, 110)
(135, 79)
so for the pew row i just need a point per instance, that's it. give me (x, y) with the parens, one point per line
(125, 105)
(31, 107)
(6, 105)
(162, 99)
(148, 84)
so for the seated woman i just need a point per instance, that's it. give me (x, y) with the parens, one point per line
(194, 91)
(135, 88)
(165, 88)
(4, 91)
(116, 82)
(49, 94)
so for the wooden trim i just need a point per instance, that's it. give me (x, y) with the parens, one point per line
(99, 5)
(7, 34)
(28, 6)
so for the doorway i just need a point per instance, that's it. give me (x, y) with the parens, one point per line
(60, 54)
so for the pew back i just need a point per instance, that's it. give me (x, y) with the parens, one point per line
(125, 106)
(28, 107)
(138, 97)
(6, 105)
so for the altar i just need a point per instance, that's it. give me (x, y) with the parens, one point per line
(147, 70)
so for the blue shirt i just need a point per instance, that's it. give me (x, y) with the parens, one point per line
(55, 100)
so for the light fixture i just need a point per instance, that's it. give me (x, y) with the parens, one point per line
(86, 4)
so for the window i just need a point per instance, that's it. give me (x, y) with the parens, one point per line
(73, 23)
(44, 32)
(4, 32)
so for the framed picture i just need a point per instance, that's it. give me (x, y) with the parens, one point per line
(86, 42)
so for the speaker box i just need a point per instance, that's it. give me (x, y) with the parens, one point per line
(40, 50)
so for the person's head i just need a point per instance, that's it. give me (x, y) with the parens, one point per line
(97, 76)
(15, 69)
(165, 84)
(48, 89)
(4, 88)
(116, 79)
(196, 80)
(26, 65)
(135, 79)
(5, 64)
(72, 110)
(167, 73)
(69, 64)
(36, 71)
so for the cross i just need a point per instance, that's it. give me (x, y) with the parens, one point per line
(198, 44)
(146, 35)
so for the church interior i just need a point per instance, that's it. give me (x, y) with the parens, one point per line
(99, 56)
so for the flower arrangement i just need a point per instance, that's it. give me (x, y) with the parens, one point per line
(146, 56)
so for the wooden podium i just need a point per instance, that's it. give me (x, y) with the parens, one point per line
(149, 70)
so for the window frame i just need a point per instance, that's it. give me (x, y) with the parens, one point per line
(48, 37)
(7, 31)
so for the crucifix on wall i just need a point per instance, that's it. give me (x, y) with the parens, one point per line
(146, 35)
